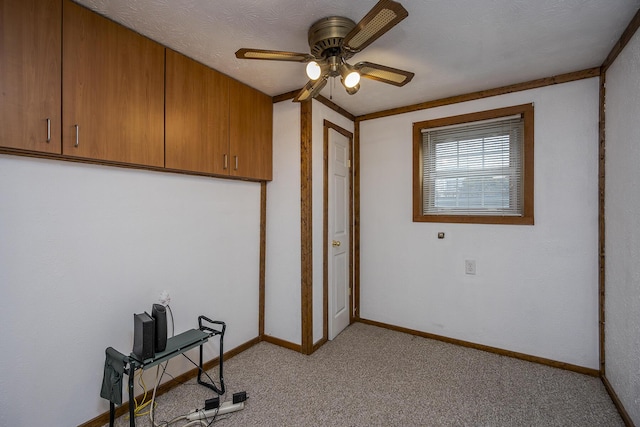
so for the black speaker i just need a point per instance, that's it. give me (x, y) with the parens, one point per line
(159, 314)
(143, 336)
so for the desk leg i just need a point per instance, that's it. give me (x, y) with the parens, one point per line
(132, 403)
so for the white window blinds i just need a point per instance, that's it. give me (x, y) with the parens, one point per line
(474, 168)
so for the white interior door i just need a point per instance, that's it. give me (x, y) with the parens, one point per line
(338, 232)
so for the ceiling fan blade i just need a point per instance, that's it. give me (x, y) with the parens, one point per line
(384, 74)
(311, 89)
(274, 55)
(379, 20)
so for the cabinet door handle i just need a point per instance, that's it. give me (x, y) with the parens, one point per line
(77, 135)
(226, 161)
(48, 129)
(236, 159)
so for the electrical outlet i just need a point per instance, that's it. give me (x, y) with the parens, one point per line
(470, 266)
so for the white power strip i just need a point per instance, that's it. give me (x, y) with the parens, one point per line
(225, 408)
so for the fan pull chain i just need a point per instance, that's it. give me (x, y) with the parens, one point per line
(333, 82)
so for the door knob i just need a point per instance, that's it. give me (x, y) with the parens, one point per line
(335, 243)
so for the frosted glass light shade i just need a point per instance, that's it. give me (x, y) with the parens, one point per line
(352, 79)
(313, 70)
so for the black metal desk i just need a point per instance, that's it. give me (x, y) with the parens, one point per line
(176, 346)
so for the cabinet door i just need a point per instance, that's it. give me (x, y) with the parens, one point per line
(30, 73)
(113, 84)
(251, 124)
(196, 116)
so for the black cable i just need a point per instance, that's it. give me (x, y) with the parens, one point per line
(214, 417)
(186, 383)
(202, 370)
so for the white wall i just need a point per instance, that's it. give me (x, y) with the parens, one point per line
(283, 259)
(84, 247)
(320, 113)
(622, 225)
(536, 287)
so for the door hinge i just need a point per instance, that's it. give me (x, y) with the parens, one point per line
(349, 291)
(349, 163)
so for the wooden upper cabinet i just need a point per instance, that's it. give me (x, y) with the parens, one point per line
(215, 124)
(196, 116)
(113, 83)
(251, 124)
(30, 72)
(113, 108)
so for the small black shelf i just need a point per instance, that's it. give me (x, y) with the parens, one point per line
(175, 345)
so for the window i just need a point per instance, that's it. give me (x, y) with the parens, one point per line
(475, 168)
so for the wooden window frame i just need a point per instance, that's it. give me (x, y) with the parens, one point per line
(527, 112)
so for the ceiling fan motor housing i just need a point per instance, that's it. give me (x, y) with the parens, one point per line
(326, 35)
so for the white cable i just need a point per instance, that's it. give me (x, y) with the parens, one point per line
(153, 398)
(164, 298)
(173, 326)
(175, 420)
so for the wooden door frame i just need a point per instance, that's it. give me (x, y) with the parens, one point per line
(307, 345)
(306, 228)
(327, 126)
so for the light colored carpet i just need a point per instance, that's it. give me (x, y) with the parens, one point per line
(370, 376)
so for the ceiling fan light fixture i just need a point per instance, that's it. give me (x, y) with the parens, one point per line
(333, 41)
(350, 77)
(313, 70)
(352, 90)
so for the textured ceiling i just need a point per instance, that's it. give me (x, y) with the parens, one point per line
(452, 46)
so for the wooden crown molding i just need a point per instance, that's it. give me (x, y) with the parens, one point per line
(532, 84)
(626, 36)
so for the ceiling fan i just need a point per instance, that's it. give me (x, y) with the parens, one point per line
(334, 40)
